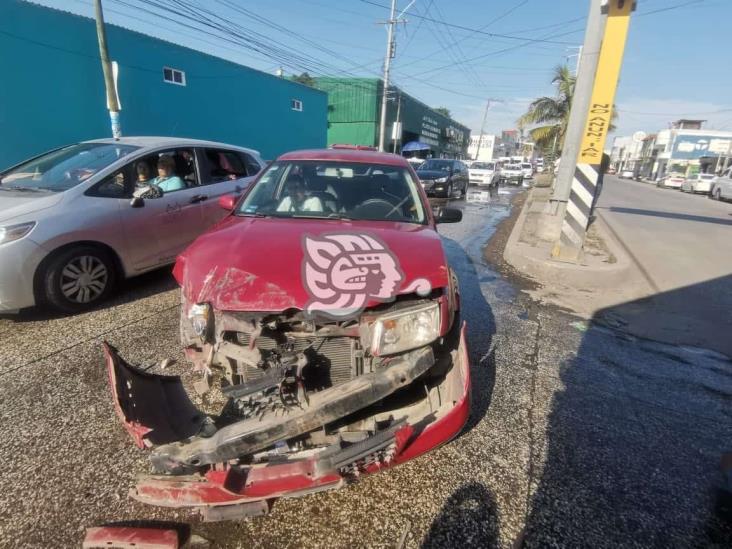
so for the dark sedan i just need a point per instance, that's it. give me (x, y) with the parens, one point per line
(444, 177)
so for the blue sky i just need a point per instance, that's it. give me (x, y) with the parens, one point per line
(675, 61)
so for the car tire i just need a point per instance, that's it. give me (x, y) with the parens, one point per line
(78, 278)
(464, 191)
(718, 194)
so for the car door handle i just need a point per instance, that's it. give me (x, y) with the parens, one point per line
(198, 198)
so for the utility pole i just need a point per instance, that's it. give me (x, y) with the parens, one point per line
(482, 127)
(580, 103)
(390, 50)
(398, 124)
(588, 164)
(578, 55)
(109, 84)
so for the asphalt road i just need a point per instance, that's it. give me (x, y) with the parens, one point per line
(683, 244)
(578, 436)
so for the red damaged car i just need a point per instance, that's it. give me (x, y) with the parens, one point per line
(325, 304)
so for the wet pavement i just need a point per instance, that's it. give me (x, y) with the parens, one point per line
(578, 436)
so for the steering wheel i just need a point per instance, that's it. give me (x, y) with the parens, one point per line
(377, 207)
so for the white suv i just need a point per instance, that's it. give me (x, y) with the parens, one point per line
(722, 186)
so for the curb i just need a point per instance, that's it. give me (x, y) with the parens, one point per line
(546, 270)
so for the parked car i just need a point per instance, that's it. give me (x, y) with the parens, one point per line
(77, 219)
(484, 174)
(513, 174)
(336, 330)
(671, 181)
(444, 177)
(527, 169)
(699, 183)
(626, 174)
(722, 186)
(611, 171)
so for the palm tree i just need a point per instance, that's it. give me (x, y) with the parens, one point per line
(553, 112)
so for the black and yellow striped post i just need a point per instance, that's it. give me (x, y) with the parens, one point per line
(587, 171)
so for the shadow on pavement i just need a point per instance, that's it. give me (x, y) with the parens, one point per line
(127, 291)
(699, 315)
(469, 518)
(634, 437)
(671, 215)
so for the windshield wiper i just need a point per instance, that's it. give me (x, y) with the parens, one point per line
(250, 214)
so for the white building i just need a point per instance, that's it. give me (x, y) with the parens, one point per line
(485, 151)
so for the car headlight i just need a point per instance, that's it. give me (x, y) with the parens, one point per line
(15, 232)
(405, 330)
(200, 315)
(441, 180)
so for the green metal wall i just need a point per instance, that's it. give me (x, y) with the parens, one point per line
(353, 115)
(353, 106)
(52, 91)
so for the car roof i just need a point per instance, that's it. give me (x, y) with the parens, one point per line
(150, 141)
(346, 155)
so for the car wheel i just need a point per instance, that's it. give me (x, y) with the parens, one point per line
(464, 191)
(718, 194)
(78, 278)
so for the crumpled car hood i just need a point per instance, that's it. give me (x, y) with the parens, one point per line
(255, 264)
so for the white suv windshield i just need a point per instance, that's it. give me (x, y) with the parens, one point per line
(335, 190)
(482, 166)
(63, 168)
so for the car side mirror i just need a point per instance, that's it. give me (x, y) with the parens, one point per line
(449, 215)
(137, 202)
(228, 202)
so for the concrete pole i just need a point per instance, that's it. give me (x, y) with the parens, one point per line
(112, 103)
(387, 67)
(482, 127)
(587, 65)
(398, 134)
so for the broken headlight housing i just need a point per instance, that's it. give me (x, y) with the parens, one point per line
(200, 315)
(404, 330)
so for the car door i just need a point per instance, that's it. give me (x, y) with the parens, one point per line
(159, 228)
(223, 171)
(724, 182)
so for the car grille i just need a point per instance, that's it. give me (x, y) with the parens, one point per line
(336, 358)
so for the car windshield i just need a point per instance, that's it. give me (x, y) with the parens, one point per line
(436, 166)
(706, 176)
(482, 166)
(513, 167)
(64, 168)
(337, 190)
(526, 166)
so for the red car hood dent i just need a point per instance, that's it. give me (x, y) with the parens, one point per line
(255, 264)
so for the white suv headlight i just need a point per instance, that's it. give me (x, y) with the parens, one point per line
(15, 232)
(406, 329)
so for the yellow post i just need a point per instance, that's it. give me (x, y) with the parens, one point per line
(587, 171)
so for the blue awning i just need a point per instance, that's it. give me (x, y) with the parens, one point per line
(415, 146)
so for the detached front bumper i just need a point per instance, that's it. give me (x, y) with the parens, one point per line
(204, 466)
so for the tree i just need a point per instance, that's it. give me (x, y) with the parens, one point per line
(553, 112)
(304, 78)
(444, 111)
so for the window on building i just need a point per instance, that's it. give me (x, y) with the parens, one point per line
(296, 104)
(174, 76)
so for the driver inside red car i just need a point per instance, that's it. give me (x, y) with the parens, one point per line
(297, 199)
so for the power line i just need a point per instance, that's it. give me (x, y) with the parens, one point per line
(478, 31)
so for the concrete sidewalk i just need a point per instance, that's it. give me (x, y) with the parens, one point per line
(605, 276)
